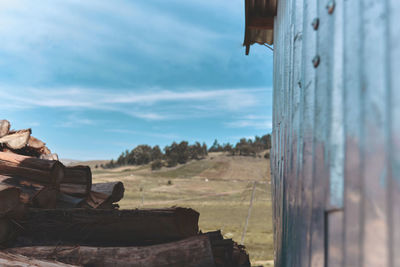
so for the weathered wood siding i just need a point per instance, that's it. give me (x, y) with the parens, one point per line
(336, 133)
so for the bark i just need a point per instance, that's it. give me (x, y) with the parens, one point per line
(8, 259)
(9, 198)
(31, 194)
(7, 233)
(193, 251)
(4, 127)
(107, 227)
(16, 140)
(46, 172)
(77, 181)
(227, 252)
(65, 201)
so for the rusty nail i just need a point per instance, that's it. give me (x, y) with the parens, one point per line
(331, 6)
(316, 61)
(315, 23)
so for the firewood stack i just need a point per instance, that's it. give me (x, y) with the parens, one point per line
(52, 215)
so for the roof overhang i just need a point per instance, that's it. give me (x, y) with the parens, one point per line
(259, 22)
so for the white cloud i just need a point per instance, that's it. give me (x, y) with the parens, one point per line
(75, 120)
(252, 121)
(152, 134)
(155, 105)
(30, 27)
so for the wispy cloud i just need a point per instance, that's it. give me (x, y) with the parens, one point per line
(75, 120)
(252, 121)
(140, 105)
(168, 136)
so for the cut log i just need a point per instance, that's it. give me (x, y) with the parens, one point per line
(193, 251)
(35, 143)
(49, 156)
(103, 195)
(115, 190)
(9, 199)
(45, 172)
(8, 260)
(4, 127)
(107, 227)
(77, 181)
(16, 140)
(31, 194)
(227, 252)
(97, 200)
(34, 148)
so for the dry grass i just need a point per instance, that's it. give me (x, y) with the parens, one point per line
(219, 187)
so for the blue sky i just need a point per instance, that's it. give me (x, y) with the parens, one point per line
(93, 78)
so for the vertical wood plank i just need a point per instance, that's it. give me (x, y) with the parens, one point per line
(353, 134)
(322, 119)
(334, 233)
(393, 47)
(375, 127)
(334, 239)
(297, 11)
(307, 117)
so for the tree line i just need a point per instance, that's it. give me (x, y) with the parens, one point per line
(180, 153)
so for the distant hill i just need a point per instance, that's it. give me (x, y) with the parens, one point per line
(180, 153)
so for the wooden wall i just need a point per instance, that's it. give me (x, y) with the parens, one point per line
(336, 133)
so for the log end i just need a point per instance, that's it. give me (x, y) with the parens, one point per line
(187, 221)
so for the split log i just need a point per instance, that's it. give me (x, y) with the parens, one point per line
(4, 127)
(97, 200)
(46, 172)
(103, 195)
(16, 140)
(31, 193)
(115, 190)
(193, 251)
(49, 156)
(8, 260)
(34, 148)
(77, 181)
(107, 227)
(35, 143)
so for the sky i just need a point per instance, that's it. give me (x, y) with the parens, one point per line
(96, 77)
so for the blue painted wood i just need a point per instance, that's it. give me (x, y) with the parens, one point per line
(336, 145)
(393, 48)
(353, 117)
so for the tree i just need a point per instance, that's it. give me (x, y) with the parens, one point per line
(216, 147)
(142, 154)
(156, 153)
(171, 154)
(205, 150)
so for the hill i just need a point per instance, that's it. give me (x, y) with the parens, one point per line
(219, 187)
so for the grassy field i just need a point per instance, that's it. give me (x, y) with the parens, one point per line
(218, 187)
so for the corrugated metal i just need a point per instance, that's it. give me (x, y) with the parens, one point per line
(336, 133)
